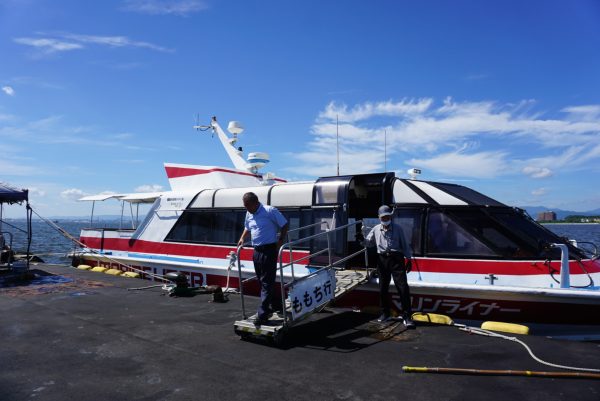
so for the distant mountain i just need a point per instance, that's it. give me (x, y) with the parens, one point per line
(560, 214)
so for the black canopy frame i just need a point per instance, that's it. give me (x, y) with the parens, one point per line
(10, 195)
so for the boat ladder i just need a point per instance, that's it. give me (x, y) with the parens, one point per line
(305, 295)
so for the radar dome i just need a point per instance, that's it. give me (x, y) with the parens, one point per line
(257, 160)
(235, 127)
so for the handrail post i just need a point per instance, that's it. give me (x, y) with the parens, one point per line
(329, 246)
(565, 278)
(239, 264)
(282, 283)
(291, 259)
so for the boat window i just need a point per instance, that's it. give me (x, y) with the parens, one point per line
(530, 232)
(446, 237)
(222, 227)
(410, 221)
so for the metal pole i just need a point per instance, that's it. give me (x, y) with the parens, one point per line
(487, 372)
(565, 280)
(122, 209)
(337, 143)
(131, 213)
(291, 259)
(329, 246)
(241, 281)
(282, 286)
(92, 216)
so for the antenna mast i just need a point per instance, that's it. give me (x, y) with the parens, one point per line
(337, 142)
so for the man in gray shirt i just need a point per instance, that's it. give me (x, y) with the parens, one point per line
(393, 261)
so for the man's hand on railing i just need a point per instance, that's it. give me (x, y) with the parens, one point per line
(408, 265)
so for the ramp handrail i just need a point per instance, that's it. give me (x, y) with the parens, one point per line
(329, 266)
(239, 263)
(290, 245)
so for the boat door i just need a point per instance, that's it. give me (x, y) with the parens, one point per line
(366, 193)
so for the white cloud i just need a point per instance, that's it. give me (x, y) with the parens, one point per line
(149, 188)
(72, 194)
(539, 192)
(11, 168)
(537, 172)
(459, 139)
(36, 192)
(458, 164)
(49, 45)
(114, 41)
(62, 42)
(165, 7)
(367, 110)
(8, 90)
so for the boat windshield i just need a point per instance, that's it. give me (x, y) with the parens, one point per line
(488, 233)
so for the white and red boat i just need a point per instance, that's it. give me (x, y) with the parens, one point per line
(474, 257)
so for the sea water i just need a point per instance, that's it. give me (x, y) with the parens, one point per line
(52, 246)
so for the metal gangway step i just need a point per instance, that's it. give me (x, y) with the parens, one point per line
(305, 295)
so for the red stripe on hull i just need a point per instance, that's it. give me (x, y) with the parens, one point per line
(176, 249)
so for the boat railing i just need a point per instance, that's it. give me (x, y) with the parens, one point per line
(6, 252)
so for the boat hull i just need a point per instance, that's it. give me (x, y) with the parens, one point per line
(460, 301)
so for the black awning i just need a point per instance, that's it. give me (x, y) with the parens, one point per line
(12, 195)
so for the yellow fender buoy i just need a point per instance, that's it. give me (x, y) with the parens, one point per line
(432, 318)
(131, 275)
(99, 269)
(505, 327)
(84, 267)
(114, 272)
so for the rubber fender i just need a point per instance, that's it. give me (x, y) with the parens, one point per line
(131, 275)
(114, 272)
(432, 318)
(84, 267)
(505, 327)
(99, 269)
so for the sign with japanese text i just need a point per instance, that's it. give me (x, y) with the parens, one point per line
(312, 292)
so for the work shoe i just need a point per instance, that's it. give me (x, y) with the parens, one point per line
(408, 322)
(383, 318)
(259, 321)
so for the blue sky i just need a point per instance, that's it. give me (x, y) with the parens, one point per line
(501, 96)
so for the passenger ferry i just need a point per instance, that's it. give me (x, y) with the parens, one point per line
(473, 257)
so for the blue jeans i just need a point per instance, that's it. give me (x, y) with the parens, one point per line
(265, 267)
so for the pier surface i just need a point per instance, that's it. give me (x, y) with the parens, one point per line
(83, 336)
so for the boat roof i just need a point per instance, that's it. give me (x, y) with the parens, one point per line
(146, 197)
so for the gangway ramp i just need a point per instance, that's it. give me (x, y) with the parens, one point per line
(305, 295)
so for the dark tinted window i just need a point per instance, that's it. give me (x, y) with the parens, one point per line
(531, 233)
(410, 221)
(224, 227)
(446, 237)
(209, 227)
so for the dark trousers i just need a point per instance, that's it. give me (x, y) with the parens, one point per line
(389, 266)
(265, 267)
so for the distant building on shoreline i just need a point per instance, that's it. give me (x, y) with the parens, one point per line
(546, 216)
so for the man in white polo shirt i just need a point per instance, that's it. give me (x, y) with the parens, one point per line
(262, 223)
